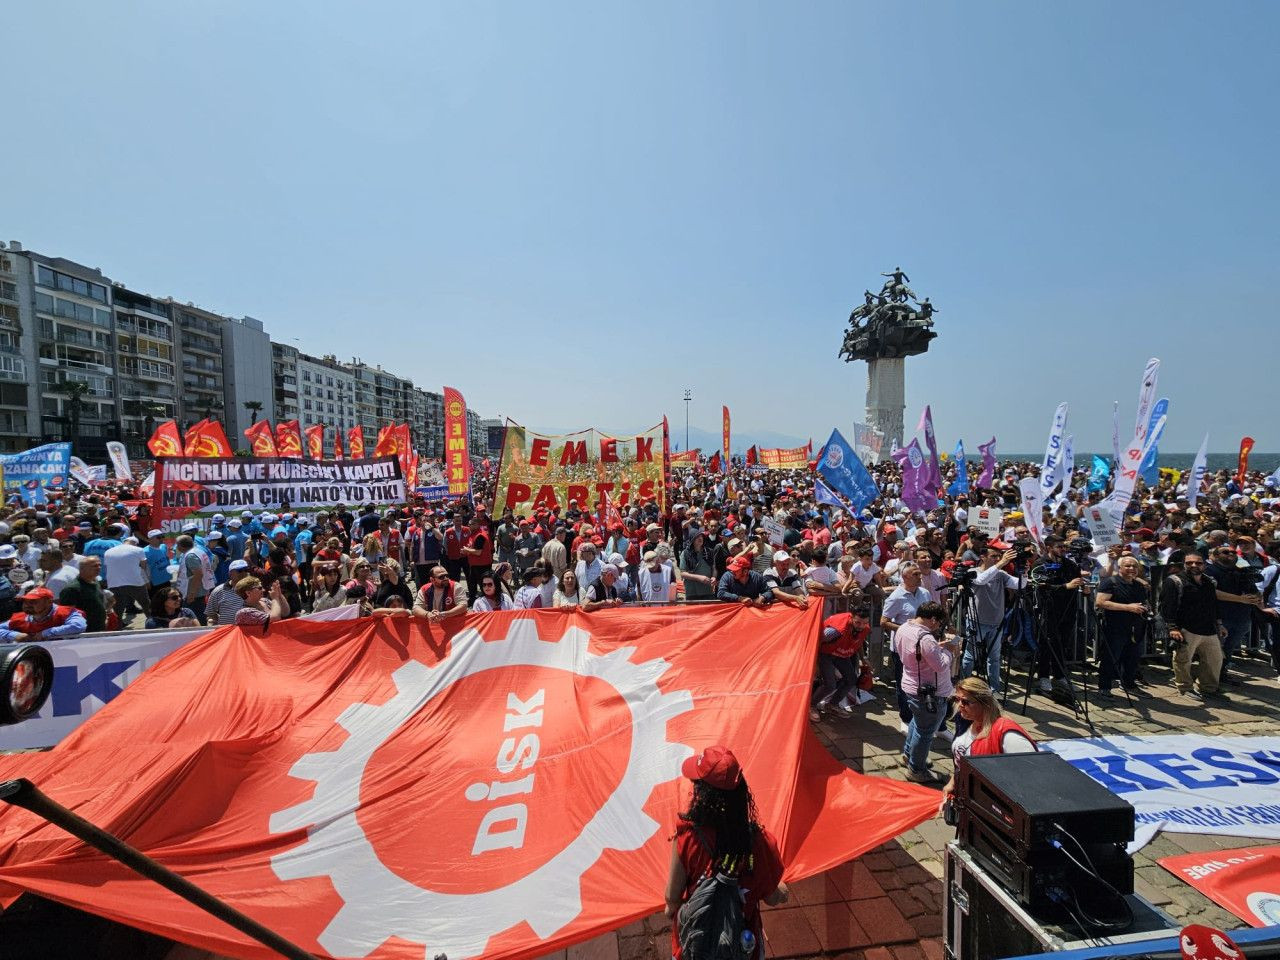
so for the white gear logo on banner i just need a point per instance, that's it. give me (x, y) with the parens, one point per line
(378, 903)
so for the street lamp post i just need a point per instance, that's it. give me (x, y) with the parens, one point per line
(688, 395)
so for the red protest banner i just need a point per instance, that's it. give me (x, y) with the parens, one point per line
(1245, 881)
(303, 778)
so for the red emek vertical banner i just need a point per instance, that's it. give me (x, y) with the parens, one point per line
(1246, 444)
(725, 413)
(355, 443)
(457, 463)
(315, 441)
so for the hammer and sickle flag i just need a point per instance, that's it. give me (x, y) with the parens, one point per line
(207, 439)
(165, 441)
(500, 787)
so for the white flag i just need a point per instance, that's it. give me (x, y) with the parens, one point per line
(1197, 472)
(1049, 469)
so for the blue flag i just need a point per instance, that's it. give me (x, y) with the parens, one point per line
(961, 483)
(1149, 470)
(845, 473)
(1099, 474)
(824, 494)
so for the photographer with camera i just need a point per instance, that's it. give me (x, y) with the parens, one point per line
(926, 655)
(1057, 578)
(1126, 602)
(1189, 605)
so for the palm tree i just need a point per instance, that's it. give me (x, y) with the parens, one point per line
(255, 408)
(74, 391)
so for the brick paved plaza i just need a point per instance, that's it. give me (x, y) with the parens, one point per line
(887, 905)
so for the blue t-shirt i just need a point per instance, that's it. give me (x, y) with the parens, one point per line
(157, 563)
(301, 545)
(99, 546)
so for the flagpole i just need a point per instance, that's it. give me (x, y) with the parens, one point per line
(23, 793)
(688, 395)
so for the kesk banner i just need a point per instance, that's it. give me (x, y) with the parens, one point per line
(194, 489)
(1245, 881)
(1187, 783)
(119, 460)
(784, 458)
(540, 471)
(457, 462)
(308, 782)
(33, 472)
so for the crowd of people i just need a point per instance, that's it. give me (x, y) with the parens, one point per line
(916, 600)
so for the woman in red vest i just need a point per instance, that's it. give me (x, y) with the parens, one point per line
(988, 731)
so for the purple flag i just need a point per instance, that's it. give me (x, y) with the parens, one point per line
(935, 470)
(916, 475)
(988, 463)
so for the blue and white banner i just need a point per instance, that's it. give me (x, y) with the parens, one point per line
(33, 471)
(1187, 783)
(1051, 468)
(1099, 475)
(91, 670)
(1198, 471)
(1149, 470)
(961, 483)
(845, 473)
(824, 494)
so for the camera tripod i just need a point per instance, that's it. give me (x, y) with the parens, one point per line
(967, 627)
(1036, 602)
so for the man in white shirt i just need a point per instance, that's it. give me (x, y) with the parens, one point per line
(938, 586)
(125, 569)
(654, 580)
(988, 614)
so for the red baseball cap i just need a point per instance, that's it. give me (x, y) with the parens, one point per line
(715, 766)
(739, 563)
(39, 593)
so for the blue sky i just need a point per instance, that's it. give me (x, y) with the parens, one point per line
(574, 211)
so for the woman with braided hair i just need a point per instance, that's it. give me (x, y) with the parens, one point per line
(720, 832)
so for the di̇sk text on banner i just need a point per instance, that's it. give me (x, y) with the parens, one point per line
(193, 490)
(540, 472)
(383, 789)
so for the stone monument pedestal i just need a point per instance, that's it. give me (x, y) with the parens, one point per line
(886, 397)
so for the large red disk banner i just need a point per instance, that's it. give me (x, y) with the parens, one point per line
(385, 789)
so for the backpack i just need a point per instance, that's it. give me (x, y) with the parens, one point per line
(713, 919)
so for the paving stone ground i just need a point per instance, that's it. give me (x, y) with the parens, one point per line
(887, 905)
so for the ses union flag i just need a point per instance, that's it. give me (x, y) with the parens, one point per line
(385, 789)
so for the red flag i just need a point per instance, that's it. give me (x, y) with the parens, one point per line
(714, 464)
(337, 443)
(1238, 880)
(612, 518)
(412, 475)
(725, 415)
(289, 439)
(752, 455)
(388, 441)
(315, 441)
(207, 439)
(165, 441)
(261, 439)
(1246, 444)
(404, 448)
(320, 796)
(355, 443)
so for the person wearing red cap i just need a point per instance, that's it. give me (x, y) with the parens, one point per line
(741, 584)
(40, 620)
(720, 831)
